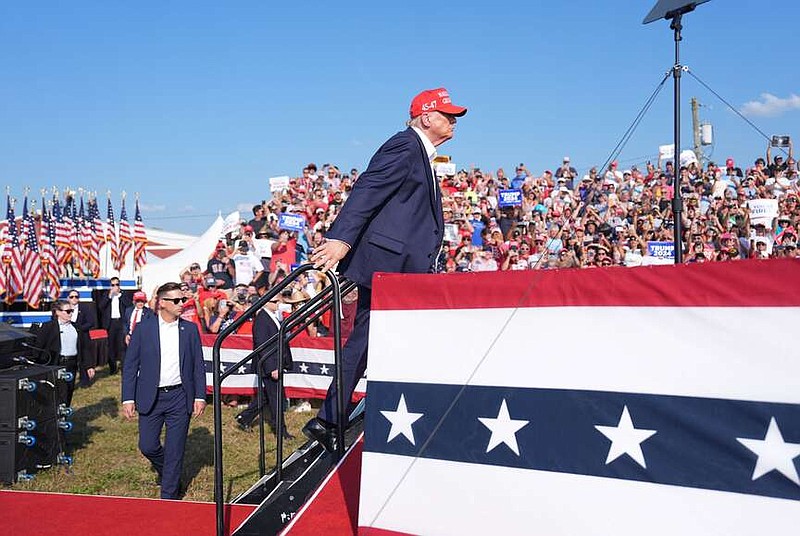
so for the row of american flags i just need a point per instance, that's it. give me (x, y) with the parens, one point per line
(66, 241)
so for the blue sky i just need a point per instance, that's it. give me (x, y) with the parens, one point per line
(195, 104)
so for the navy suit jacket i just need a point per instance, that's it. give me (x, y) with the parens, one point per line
(86, 320)
(264, 329)
(392, 219)
(142, 370)
(126, 316)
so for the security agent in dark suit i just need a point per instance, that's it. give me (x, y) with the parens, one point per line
(391, 222)
(164, 380)
(61, 344)
(85, 319)
(266, 326)
(112, 306)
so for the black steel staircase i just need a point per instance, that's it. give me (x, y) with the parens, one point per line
(283, 491)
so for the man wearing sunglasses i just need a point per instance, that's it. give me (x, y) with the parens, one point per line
(112, 309)
(61, 340)
(85, 320)
(164, 380)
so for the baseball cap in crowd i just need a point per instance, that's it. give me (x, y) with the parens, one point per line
(566, 159)
(194, 266)
(139, 296)
(435, 100)
(248, 228)
(729, 163)
(220, 245)
(210, 281)
(243, 244)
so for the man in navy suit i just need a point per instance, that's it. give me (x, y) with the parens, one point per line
(265, 326)
(164, 380)
(135, 314)
(392, 222)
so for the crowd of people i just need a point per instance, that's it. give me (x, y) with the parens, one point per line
(563, 220)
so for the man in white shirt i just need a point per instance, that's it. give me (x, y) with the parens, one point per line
(164, 380)
(112, 307)
(246, 264)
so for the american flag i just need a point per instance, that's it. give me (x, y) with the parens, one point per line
(62, 243)
(3, 239)
(12, 257)
(50, 265)
(139, 239)
(125, 238)
(31, 260)
(633, 430)
(111, 236)
(73, 227)
(85, 239)
(96, 228)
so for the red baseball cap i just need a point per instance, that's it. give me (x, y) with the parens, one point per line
(139, 296)
(435, 100)
(729, 163)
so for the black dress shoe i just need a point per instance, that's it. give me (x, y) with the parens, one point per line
(287, 435)
(243, 426)
(324, 433)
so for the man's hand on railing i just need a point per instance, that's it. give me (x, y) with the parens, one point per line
(326, 255)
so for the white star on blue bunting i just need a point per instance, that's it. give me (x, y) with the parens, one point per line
(625, 439)
(401, 420)
(503, 428)
(774, 454)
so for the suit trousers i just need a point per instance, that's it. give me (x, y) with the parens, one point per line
(116, 343)
(269, 392)
(167, 460)
(71, 364)
(354, 360)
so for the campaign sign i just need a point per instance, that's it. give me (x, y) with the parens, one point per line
(662, 250)
(448, 168)
(278, 183)
(763, 211)
(451, 232)
(292, 222)
(509, 198)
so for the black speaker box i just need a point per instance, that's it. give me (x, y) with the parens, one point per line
(34, 392)
(47, 444)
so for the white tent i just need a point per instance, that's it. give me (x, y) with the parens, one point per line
(159, 271)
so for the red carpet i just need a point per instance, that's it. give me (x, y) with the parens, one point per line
(57, 514)
(334, 509)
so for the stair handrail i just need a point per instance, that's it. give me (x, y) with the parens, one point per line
(218, 375)
(302, 317)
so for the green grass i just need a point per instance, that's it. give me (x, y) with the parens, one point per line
(107, 460)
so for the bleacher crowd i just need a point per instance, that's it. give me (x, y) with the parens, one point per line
(561, 219)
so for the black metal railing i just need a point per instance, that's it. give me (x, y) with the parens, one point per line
(327, 299)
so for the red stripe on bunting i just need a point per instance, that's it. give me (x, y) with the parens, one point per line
(755, 283)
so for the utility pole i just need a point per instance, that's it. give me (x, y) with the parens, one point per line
(698, 141)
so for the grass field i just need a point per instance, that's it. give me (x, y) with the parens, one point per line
(107, 460)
